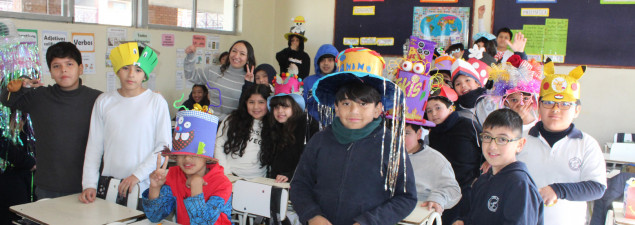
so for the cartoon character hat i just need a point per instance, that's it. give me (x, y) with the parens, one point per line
(128, 54)
(194, 133)
(356, 65)
(461, 67)
(288, 84)
(560, 87)
(516, 75)
(297, 29)
(443, 63)
(412, 77)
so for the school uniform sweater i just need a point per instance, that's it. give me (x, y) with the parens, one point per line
(127, 133)
(343, 182)
(60, 122)
(456, 139)
(434, 177)
(229, 82)
(248, 165)
(508, 197)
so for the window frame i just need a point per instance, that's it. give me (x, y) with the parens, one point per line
(143, 20)
(67, 14)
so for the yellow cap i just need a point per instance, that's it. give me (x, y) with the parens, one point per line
(298, 19)
(123, 55)
(561, 87)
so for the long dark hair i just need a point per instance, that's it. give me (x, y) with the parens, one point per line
(300, 46)
(251, 57)
(278, 136)
(205, 100)
(239, 122)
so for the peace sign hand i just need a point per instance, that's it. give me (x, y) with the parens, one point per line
(157, 178)
(249, 76)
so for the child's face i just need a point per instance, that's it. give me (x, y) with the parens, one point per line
(223, 59)
(502, 37)
(261, 77)
(412, 139)
(458, 55)
(437, 111)
(501, 154)
(556, 118)
(65, 72)
(191, 164)
(282, 113)
(238, 55)
(356, 115)
(257, 106)
(197, 94)
(295, 43)
(131, 77)
(517, 99)
(464, 84)
(327, 65)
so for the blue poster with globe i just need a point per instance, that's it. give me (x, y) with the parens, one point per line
(443, 25)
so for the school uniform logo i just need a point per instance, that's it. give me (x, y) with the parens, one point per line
(575, 163)
(492, 203)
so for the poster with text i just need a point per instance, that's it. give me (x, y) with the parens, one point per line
(85, 42)
(28, 35)
(199, 41)
(115, 36)
(143, 37)
(167, 40)
(443, 25)
(50, 37)
(88, 60)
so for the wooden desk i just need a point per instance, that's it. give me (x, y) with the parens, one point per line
(69, 210)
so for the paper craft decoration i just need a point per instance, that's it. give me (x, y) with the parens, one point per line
(443, 25)
(194, 134)
(297, 28)
(128, 54)
(560, 87)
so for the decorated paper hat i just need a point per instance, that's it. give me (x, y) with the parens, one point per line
(449, 93)
(421, 51)
(288, 84)
(560, 87)
(356, 65)
(516, 75)
(128, 54)
(297, 29)
(443, 63)
(194, 134)
(461, 67)
(485, 35)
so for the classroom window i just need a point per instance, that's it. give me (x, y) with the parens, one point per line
(111, 12)
(211, 15)
(37, 7)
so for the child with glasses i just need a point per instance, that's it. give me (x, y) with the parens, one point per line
(506, 194)
(566, 163)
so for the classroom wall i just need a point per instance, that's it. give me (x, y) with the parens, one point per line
(605, 92)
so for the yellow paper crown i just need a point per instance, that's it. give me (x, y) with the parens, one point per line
(360, 60)
(561, 87)
(123, 55)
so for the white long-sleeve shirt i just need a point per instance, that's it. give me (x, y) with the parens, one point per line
(435, 178)
(127, 132)
(247, 166)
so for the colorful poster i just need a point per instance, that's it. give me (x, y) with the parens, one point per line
(50, 37)
(536, 1)
(535, 35)
(143, 37)
(29, 35)
(368, 0)
(213, 42)
(88, 60)
(439, 1)
(443, 25)
(623, 2)
(199, 41)
(85, 42)
(116, 36)
(536, 12)
(167, 40)
(556, 36)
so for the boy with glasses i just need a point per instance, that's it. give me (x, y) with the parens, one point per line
(506, 194)
(566, 163)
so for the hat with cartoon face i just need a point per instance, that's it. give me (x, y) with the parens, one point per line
(288, 84)
(194, 134)
(560, 87)
(461, 67)
(128, 54)
(356, 65)
(297, 29)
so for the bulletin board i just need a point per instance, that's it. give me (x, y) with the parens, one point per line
(597, 34)
(389, 19)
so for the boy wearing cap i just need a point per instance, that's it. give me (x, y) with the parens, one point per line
(342, 174)
(65, 106)
(128, 126)
(566, 163)
(197, 187)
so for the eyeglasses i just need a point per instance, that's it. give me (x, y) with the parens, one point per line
(561, 105)
(486, 138)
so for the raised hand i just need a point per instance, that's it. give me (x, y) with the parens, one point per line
(157, 178)
(249, 76)
(519, 42)
(190, 49)
(481, 11)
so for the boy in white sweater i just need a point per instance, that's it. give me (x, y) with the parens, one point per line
(128, 127)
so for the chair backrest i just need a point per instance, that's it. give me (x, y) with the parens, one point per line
(108, 189)
(257, 199)
(624, 137)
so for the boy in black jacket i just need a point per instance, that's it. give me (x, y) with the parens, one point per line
(506, 194)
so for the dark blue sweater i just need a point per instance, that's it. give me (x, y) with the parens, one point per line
(343, 182)
(509, 197)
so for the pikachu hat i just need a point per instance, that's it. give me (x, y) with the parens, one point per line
(128, 54)
(560, 87)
